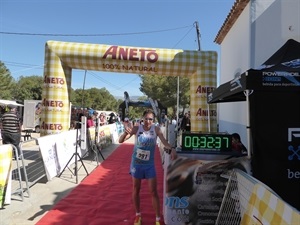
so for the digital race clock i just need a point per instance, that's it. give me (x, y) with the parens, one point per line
(206, 142)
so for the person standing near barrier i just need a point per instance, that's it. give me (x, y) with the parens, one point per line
(90, 121)
(102, 119)
(142, 162)
(237, 144)
(11, 128)
(186, 123)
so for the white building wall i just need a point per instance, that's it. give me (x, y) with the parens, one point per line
(234, 60)
(271, 28)
(261, 29)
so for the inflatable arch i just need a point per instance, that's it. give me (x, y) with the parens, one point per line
(62, 57)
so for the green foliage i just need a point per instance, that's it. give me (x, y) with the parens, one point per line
(136, 112)
(99, 99)
(164, 89)
(7, 83)
(29, 88)
(160, 88)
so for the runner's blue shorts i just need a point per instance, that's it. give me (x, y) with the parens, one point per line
(143, 171)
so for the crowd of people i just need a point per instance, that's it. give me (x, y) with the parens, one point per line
(92, 118)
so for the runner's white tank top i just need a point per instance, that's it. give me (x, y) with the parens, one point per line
(144, 148)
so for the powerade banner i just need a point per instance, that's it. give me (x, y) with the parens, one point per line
(275, 129)
(274, 105)
(195, 189)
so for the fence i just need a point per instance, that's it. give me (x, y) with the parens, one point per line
(242, 201)
(27, 168)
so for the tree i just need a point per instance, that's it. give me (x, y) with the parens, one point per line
(29, 87)
(137, 112)
(7, 82)
(99, 99)
(164, 89)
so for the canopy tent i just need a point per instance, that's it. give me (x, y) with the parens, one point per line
(272, 93)
(279, 72)
(8, 102)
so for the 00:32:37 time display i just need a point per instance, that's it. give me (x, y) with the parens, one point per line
(206, 142)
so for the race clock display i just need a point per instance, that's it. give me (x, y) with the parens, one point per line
(206, 142)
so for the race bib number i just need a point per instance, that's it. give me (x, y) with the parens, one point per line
(143, 154)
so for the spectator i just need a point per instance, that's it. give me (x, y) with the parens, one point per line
(90, 122)
(102, 119)
(174, 121)
(237, 145)
(112, 118)
(78, 122)
(11, 128)
(186, 123)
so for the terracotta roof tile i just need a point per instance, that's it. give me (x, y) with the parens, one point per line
(235, 12)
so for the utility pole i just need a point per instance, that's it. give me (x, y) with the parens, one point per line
(198, 35)
(82, 100)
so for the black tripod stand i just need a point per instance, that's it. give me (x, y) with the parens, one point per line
(75, 154)
(92, 144)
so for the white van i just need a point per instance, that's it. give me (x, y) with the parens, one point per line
(32, 115)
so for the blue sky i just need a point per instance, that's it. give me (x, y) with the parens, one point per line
(140, 23)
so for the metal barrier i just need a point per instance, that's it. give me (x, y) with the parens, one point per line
(33, 159)
(230, 210)
(236, 197)
(236, 207)
(27, 168)
(17, 181)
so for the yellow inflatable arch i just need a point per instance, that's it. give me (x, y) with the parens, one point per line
(62, 57)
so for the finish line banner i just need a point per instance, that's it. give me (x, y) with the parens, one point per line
(62, 57)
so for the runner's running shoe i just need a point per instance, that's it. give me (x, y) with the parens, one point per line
(138, 220)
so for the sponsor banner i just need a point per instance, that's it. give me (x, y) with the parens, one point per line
(114, 133)
(194, 189)
(106, 135)
(276, 146)
(57, 150)
(120, 128)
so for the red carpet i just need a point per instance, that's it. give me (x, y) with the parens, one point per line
(104, 197)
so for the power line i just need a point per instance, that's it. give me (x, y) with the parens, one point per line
(117, 88)
(23, 65)
(16, 64)
(183, 37)
(90, 35)
(86, 35)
